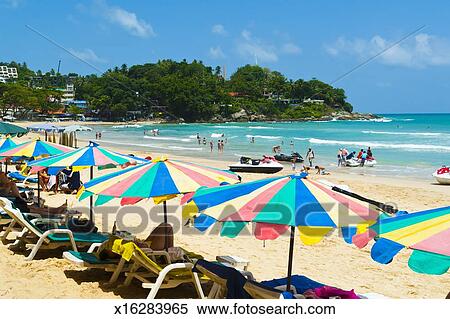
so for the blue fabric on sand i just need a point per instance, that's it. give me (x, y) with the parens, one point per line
(301, 283)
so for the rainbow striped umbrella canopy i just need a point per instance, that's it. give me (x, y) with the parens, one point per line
(91, 155)
(35, 148)
(426, 232)
(159, 179)
(7, 144)
(275, 204)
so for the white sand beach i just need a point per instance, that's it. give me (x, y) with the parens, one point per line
(332, 261)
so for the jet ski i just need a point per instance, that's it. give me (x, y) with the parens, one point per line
(288, 158)
(442, 175)
(266, 165)
(354, 162)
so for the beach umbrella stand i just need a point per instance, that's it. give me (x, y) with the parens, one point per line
(290, 258)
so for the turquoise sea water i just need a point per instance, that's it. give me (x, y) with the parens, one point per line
(403, 145)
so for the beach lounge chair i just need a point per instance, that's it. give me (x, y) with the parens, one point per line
(19, 177)
(53, 238)
(99, 255)
(154, 275)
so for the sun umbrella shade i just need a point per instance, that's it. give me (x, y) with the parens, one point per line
(275, 204)
(76, 128)
(159, 178)
(35, 148)
(427, 233)
(11, 129)
(46, 127)
(7, 144)
(91, 155)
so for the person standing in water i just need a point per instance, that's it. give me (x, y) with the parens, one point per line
(310, 157)
(211, 145)
(339, 157)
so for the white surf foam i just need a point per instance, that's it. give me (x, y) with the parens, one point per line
(168, 138)
(403, 133)
(267, 137)
(423, 147)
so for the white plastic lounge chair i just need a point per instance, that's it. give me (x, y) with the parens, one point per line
(50, 239)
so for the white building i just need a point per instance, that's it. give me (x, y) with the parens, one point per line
(7, 73)
(313, 101)
(68, 94)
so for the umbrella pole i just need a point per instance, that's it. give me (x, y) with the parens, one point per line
(91, 200)
(39, 189)
(291, 257)
(166, 244)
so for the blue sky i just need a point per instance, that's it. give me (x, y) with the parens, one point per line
(301, 39)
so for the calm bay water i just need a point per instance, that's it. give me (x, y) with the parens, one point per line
(403, 145)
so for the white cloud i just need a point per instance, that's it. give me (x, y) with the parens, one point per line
(219, 29)
(126, 19)
(418, 52)
(290, 48)
(251, 47)
(129, 21)
(87, 55)
(216, 52)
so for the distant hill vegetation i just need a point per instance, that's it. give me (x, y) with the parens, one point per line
(191, 91)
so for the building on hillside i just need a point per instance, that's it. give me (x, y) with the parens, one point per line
(7, 73)
(68, 94)
(81, 104)
(313, 101)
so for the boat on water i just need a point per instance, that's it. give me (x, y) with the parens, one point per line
(354, 162)
(288, 158)
(266, 165)
(127, 126)
(442, 175)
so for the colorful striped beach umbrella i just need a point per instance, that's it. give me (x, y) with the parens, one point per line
(92, 155)
(278, 204)
(35, 148)
(7, 144)
(160, 179)
(427, 233)
(89, 156)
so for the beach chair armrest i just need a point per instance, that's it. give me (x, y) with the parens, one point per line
(154, 287)
(44, 237)
(94, 247)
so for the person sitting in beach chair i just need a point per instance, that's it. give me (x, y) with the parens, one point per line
(70, 181)
(114, 254)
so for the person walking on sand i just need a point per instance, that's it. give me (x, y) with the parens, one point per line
(294, 163)
(310, 157)
(211, 145)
